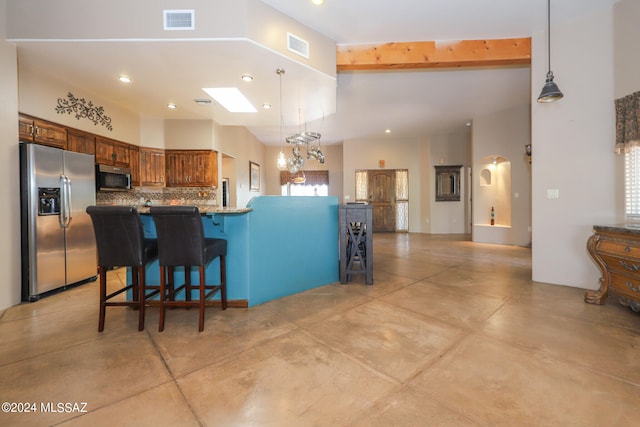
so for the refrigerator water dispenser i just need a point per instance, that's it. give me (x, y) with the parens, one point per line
(48, 201)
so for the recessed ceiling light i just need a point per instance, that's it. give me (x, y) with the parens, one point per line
(468, 124)
(387, 131)
(171, 106)
(266, 106)
(317, 2)
(231, 99)
(247, 78)
(124, 78)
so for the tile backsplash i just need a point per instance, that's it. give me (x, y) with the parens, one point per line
(159, 196)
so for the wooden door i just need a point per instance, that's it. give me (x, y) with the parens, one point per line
(201, 173)
(152, 167)
(26, 128)
(112, 152)
(121, 151)
(175, 175)
(81, 142)
(381, 189)
(104, 151)
(134, 165)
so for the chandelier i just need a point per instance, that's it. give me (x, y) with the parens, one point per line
(310, 141)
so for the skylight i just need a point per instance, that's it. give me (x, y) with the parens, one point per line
(231, 99)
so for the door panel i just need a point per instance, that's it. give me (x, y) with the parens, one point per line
(382, 198)
(81, 258)
(47, 264)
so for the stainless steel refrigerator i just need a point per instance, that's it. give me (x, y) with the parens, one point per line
(58, 244)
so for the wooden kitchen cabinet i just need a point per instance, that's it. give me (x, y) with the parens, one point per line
(81, 142)
(112, 152)
(42, 132)
(134, 165)
(152, 167)
(191, 168)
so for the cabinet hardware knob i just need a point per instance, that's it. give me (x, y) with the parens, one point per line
(627, 249)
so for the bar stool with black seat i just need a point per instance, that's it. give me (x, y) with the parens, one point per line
(181, 243)
(121, 243)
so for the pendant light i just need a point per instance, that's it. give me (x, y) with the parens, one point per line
(550, 91)
(282, 160)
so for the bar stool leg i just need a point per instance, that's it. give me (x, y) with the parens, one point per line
(187, 283)
(141, 285)
(201, 301)
(223, 282)
(163, 296)
(170, 283)
(102, 272)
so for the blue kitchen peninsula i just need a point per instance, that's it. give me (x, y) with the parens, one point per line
(276, 246)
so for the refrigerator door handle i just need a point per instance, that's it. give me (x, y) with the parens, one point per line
(65, 206)
(69, 213)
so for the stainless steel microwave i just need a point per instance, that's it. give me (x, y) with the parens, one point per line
(112, 178)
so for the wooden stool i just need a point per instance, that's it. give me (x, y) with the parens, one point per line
(121, 243)
(181, 242)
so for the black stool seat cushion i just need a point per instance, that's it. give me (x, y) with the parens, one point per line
(181, 237)
(214, 248)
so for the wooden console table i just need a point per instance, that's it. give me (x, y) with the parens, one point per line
(616, 250)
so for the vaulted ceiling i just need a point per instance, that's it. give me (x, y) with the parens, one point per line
(342, 104)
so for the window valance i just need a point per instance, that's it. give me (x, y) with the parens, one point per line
(312, 177)
(627, 122)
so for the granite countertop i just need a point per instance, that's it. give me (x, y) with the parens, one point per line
(204, 209)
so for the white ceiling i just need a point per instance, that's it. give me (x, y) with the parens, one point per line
(410, 103)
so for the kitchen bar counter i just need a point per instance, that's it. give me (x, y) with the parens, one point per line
(204, 209)
(276, 246)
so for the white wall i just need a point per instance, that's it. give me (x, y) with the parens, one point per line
(503, 134)
(9, 171)
(449, 149)
(573, 142)
(39, 94)
(152, 132)
(240, 144)
(188, 134)
(397, 154)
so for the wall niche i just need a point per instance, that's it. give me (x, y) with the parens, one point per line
(495, 190)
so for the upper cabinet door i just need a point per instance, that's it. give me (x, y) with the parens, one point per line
(152, 167)
(112, 152)
(81, 142)
(42, 132)
(192, 168)
(134, 165)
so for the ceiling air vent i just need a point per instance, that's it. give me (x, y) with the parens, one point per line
(297, 45)
(179, 19)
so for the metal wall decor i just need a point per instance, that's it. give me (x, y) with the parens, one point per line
(448, 183)
(83, 110)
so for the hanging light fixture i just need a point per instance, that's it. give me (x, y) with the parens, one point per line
(309, 140)
(311, 143)
(550, 91)
(282, 160)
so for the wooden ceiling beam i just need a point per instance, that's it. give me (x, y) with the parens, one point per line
(431, 54)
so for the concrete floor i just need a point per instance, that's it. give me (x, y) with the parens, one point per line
(452, 333)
